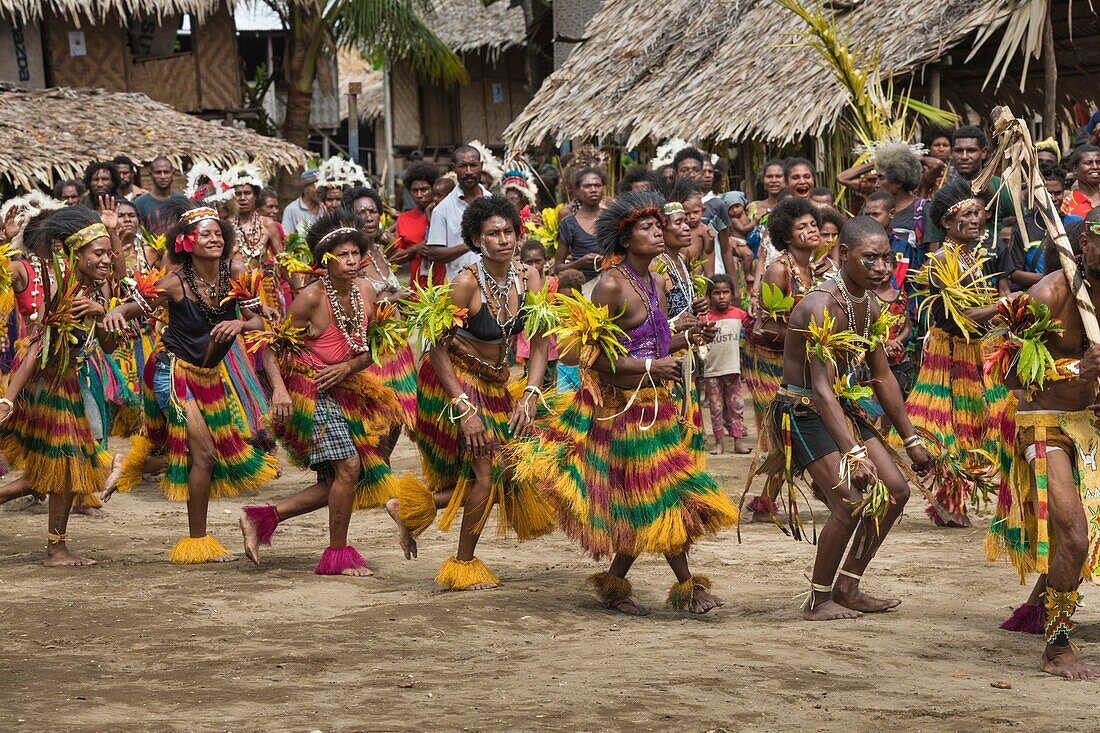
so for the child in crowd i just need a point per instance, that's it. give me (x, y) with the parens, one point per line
(570, 283)
(722, 369)
(700, 234)
(533, 253)
(896, 302)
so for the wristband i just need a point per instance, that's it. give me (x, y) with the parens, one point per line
(648, 364)
(912, 441)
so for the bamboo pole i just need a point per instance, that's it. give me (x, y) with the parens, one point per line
(1015, 160)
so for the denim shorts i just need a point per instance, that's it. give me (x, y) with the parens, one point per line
(162, 385)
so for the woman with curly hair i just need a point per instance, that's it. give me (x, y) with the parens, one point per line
(614, 462)
(466, 411)
(189, 412)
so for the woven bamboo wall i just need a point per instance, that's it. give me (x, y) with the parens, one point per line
(171, 80)
(406, 108)
(218, 68)
(104, 66)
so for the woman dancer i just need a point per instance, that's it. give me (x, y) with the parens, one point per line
(188, 410)
(614, 462)
(335, 412)
(466, 413)
(44, 429)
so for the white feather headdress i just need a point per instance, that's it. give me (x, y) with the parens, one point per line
(665, 153)
(489, 162)
(245, 174)
(521, 178)
(340, 173)
(27, 207)
(218, 189)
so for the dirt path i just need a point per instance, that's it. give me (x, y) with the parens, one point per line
(140, 645)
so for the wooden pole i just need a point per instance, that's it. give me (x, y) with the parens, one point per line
(1050, 81)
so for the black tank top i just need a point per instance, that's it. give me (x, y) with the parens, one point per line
(188, 332)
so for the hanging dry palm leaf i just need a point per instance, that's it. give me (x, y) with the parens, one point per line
(1023, 33)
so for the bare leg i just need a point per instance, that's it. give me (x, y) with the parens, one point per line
(57, 551)
(201, 452)
(14, 490)
(475, 507)
(702, 599)
(405, 537)
(1070, 541)
(340, 499)
(388, 443)
(831, 541)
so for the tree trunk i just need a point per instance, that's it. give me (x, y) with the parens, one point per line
(299, 70)
(1050, 81)
(530, 50)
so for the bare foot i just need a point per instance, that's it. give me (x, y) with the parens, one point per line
(58, 556)
(761, 518)
(625, 605)
(404, 536)
(740, 448)
(482, 586)
(703, 600)
(251, 538)
(719, 447)
(828, 610)
(1064, 662)
(89, 511)
(857, 600)
(115, 475)
(363, 572)
(224, 558)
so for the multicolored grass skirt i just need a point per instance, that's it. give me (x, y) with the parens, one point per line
(762, 369)
(954, 402)
(247, 393)
(48, 437)
(521, 508)
(399, 374)
(620, 475)
(238, 466)
(370, 410)
(131, 357)
(119, 406)
(1020, 528)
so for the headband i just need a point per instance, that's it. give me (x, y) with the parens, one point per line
(1093, 227)
(337, 233)
(86, 235)
(672, 207)
(634, 216)
(202, 213)
(964, 204)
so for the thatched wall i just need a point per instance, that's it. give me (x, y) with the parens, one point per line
(53, 134)
(720, 70)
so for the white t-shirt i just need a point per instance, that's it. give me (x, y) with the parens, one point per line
(445, 230)
(724, 353)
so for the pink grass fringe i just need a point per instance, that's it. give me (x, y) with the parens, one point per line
(264, 519)
(1027, 619)
(334, 562)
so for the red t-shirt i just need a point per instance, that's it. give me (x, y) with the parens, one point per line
(412, 229)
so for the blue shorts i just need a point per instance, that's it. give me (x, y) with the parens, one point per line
(162, 385)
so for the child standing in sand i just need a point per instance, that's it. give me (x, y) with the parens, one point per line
(722, 369)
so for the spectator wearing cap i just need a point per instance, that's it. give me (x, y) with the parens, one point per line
(303, 211)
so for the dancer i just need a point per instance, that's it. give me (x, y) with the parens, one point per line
(1043, 523)
(188, 412)
(814, 425)
(466, 412)
(44, 429)
(327, 411)
(794, 230)
(962, 409)
(614, 462)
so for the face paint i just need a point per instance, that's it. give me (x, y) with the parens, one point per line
(802, 237)
(868, 264)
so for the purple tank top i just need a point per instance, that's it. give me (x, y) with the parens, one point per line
(651, 338)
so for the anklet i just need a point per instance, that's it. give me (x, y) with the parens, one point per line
(851, 575)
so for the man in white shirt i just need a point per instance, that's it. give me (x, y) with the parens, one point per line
(304, 209)
(444, 240)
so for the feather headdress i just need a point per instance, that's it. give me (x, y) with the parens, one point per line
(337, 172)
(614, 224)
(665, 153)
(521, 180)
(206, 183)
(245, 174)
(489, 162)
(27, 207)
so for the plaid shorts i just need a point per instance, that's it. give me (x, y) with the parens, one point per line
(331, 438)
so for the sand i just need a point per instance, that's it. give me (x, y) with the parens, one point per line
(136, 644)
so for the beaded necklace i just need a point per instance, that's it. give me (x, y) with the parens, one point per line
(385, 271)
(250, 235)
(849, 303)
(647, 296)
(213, 292)
(798, 282)
(496, 295)
(352, 327)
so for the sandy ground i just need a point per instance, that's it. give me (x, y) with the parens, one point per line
(136, 644)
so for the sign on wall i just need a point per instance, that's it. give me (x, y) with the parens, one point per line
(21, 55)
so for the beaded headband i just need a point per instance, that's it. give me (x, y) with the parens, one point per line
(86, 235)
(964, 204)
(202, 213)
(1093, 227)
(635, 216)
(672, 207)
(337, 233)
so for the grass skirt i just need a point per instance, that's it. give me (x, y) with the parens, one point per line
(48, 437)
(1020, 529)
(399, 374)
(521, 508)
(246, 391)
(762, 370)
(619, 487)
(953, 401)
(238, 466)
(370, 410)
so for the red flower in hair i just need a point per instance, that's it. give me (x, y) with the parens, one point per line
(185, 242)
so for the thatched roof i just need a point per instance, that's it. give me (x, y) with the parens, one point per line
(468, 25)
(53, 134)
(98, 10)
(720, 70)
(353, 67)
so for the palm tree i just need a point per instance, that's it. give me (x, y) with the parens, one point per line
(389, 29)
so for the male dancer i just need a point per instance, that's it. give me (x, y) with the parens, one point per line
(830, 439)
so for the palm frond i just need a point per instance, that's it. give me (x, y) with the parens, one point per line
(1023, 33)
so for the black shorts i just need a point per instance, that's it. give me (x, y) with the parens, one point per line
(810, 439)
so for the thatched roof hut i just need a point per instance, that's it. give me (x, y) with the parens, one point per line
(55, 133)
(100, 10)
(470, 25)
(352, 67)
(723, 70)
